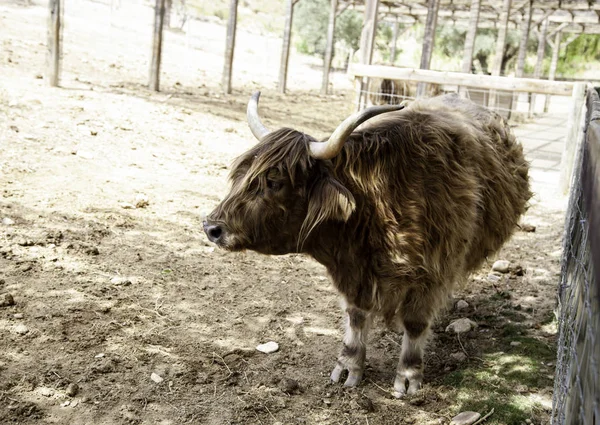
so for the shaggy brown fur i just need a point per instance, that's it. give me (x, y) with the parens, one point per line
(415, 201)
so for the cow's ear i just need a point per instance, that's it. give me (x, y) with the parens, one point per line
(328, 200)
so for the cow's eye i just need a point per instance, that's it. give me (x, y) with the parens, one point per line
(274, 185)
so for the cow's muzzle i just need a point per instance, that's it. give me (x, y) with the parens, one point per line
(214, 232)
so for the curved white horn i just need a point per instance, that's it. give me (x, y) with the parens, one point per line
(333, 146)
(256, 126)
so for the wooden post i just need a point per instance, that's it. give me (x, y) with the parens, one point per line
(500, 46)
(285, 49)
(520, 67)
(229, 46)
(525, 26)
(553, 65)
(54, 42)
(367, 41)
(573, 137)
(395, 30)
(330, 44)
(428, 40)
(471, 34)
(537, 71)
(159, 17)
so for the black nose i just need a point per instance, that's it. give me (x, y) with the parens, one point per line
(214, 233)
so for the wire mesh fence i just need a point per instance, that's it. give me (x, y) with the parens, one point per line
(577, 382)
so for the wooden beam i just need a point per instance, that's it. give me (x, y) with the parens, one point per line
(428, 40)
(471, 34)
(330, 45)
(526, 85)
(500, 47)
(159, 18)
(54, 42)
(285, 49)
(525, 27)
(553, 65)
(229, 46)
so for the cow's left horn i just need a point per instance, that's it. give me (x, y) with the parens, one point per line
(256, 126)
(333, 146)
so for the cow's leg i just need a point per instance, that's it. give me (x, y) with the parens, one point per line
(352, 356)
(415, 317)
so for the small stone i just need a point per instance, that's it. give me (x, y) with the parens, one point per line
(156, 378)
(365, 403)
(517, 270)
(528, 228)
(494, 278)
(460, 326)
(84, 154)
(46, 392)
(327, 402)
(21, 329)
(25, 268)
(6, 300)
(462, 305)
(289, 386)
(94, 132)
(515, 343)
(465, 418)
(268, 348)
(39, 76)
(119, 280)
(127, 206)
(528, 421)
(501, 266)
(8, 221)
(18, 316)
(459, 356)
(141, 201)
(99, 356)
(72, 390)
(65, 404)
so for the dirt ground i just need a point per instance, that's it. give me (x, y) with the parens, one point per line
(127, 315)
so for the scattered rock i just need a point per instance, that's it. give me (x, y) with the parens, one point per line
(462, 305)
(25, 268)
(18, 316)
(94, 132)
(156, 378)
(268, 348)
(528, 228)
(84, 154)
(72, 389)
(465, 418)
(8, 221)
(39, 76)
(127, 206)
(21, 329)
(417, 401)
(501, 266)
(494, 278)
(517, 270)
(459, 356)
(119, 280)
(91, 250)
(289, 386)
(460, 326)
(65, 403)
(515, 343)
(46, 392)
(141, 201)
(365, 403)
(99, 355)
(6, 300)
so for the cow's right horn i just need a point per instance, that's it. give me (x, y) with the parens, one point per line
(256, 126)
(333, 146)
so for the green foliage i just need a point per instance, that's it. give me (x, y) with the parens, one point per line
(578, 55)
(311, 18)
